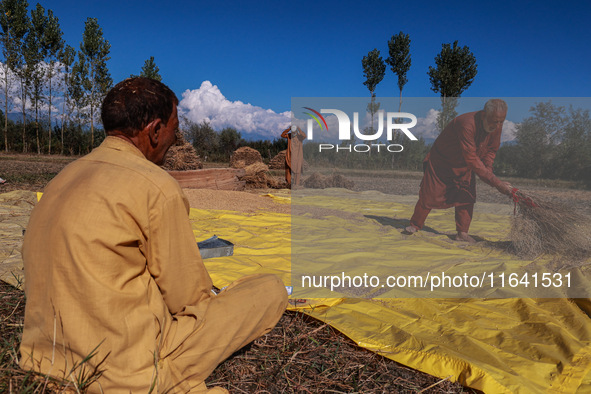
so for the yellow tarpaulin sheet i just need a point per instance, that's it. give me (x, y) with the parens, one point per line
(521, 345)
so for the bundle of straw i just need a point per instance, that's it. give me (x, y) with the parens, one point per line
(182, 156)
(540, 226)
(257, 176)
(318, 181)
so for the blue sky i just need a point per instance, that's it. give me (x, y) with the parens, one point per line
(265, 52)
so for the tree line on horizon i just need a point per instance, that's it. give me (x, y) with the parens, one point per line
(39, 70)
(214, 146)
(454, 71)
(552, 143)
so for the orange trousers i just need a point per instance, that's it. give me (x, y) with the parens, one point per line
(463, 216)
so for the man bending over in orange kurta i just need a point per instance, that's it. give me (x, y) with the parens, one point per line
(112, 266)
(465, 148)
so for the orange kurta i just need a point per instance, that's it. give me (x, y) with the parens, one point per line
(462, 150)
(111, 263)
(294, 157)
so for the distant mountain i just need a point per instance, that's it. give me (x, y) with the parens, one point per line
(257, 136)
(16, 116)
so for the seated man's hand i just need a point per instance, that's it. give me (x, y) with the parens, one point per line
(505, 188)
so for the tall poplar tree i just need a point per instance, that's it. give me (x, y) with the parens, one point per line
(374, 70)
(66, 57)
(151, 70)
(14, 21)
(53, 43)
(23, 71)
(77, 88)
(35, 52)
(399, 59)
(455, 71)
(95, 49)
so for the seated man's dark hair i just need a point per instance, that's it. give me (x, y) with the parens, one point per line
(133, 103)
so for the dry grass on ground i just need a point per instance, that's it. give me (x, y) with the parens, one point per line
(300, 355)
(304, 355)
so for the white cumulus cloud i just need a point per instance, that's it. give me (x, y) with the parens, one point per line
(209, 104)
(427, 127)
(509, 129)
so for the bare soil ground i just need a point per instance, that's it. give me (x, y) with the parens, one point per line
(28, 172)
(408, 183)
(32, 172)
(301, 354)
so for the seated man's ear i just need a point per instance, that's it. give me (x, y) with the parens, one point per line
(153, 129)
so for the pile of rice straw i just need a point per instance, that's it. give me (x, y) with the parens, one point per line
(182, 156)
(245, 156)
(318, 181)
(550, 228)
(257, 176)
(278, 162)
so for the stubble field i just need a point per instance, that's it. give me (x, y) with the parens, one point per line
(300, 354)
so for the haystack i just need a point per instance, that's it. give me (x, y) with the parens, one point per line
(318, 181)
(245, 156)
(257, 176)
(278, 162)
(550, 228)
(182, 156)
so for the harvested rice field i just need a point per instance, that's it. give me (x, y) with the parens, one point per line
(301, 354)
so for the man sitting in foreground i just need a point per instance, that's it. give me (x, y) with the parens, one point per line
(112, 267)
(465, 148)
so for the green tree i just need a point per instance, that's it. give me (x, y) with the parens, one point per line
(95, 49)
(15, 25)
(575, 147)
(537, 138)
(204, 138)
(23, 72)
(151, 70)
(230, 140)
(66, 57)
(53, 43)
(374, 70)
(77, 89)
(454, 71)
(554, 144)
(35, 52)
(399, 59)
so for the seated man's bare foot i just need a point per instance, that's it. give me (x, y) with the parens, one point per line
(410, 229)
(464, 237)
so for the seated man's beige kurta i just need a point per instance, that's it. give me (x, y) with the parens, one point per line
(112, 266)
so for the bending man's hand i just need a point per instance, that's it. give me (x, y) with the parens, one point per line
(505, 188)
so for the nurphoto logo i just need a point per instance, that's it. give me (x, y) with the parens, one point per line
(394, 122)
